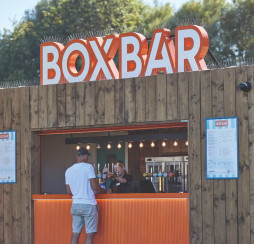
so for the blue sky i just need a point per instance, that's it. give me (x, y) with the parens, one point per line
(14, 9)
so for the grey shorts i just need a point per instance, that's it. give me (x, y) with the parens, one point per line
(84, 214)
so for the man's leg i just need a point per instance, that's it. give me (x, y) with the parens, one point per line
(91, 222)
(75, 238)
(90, 237)
(77, 222)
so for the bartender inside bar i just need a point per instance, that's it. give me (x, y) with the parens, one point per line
(120, 180)
(135, 161)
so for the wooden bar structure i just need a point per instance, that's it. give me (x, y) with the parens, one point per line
(220, 211)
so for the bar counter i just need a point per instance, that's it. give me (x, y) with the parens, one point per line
(123, 218)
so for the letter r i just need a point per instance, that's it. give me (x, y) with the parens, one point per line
(191, 47)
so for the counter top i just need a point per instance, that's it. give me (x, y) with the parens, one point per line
(114, 196)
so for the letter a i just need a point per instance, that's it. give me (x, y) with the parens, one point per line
(161, 55)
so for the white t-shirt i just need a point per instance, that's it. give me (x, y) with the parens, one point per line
(77, 177)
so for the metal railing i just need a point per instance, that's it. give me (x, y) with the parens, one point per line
(19, 83)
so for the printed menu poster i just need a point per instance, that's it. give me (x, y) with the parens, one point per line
(7, 157)
(222, 148)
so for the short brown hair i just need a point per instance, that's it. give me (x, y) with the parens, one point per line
(119, 163)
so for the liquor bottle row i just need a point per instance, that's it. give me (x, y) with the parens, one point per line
(163, 174)
(104, 176)
(106, 173)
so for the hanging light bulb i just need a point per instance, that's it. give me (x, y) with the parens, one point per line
(88, 147)
(152, 144)
(119, 145)
(141, 145)
(187, 143)
(109, 146)
(130, 145)
(175, 143)
(77, 147)
(163, 144)
(98, 146)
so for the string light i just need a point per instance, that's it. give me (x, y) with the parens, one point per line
(163, 144)
(130, 145)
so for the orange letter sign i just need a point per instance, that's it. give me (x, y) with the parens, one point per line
(58, 63)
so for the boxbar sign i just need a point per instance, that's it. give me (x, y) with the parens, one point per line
(222, 148)
(58, 62)
(7, 157)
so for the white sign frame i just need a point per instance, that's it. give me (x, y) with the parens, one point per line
(222, 148)
(8, 159)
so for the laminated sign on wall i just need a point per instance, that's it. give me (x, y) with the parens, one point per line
(8, 156)
(222, 148)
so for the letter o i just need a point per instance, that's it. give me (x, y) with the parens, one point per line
(71, 52)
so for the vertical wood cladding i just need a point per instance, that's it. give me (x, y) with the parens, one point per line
(231, 185)
(250, 78)
(221, 211)
(207, 186)
(1, 185)
(15, 203)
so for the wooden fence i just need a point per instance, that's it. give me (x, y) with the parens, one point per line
(221, 211)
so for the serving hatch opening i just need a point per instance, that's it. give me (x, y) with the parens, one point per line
(58, 153)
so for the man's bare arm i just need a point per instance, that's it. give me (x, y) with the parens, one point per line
(97, 188)
(121, 180)
(68, 190)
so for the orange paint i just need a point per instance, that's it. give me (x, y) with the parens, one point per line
(107, 55)
(114, 128)
(51, 72)
(135, 59)
(189, 42)
(73, 56)
(123, 220)
(141, 54)
(166, 41)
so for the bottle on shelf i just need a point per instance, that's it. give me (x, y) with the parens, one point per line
(179, 178)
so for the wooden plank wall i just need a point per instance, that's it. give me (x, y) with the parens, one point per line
(226, 207)
(221, 211)
(15, 199)
(1, 186)
(106, 103)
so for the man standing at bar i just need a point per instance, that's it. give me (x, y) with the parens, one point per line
(81, 183)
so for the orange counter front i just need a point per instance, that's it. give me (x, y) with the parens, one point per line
(148, 218)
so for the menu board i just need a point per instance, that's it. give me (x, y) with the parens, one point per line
(7, 157)
(222, 148)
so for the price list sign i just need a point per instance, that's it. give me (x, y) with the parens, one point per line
(7, 157)
(222, 148)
